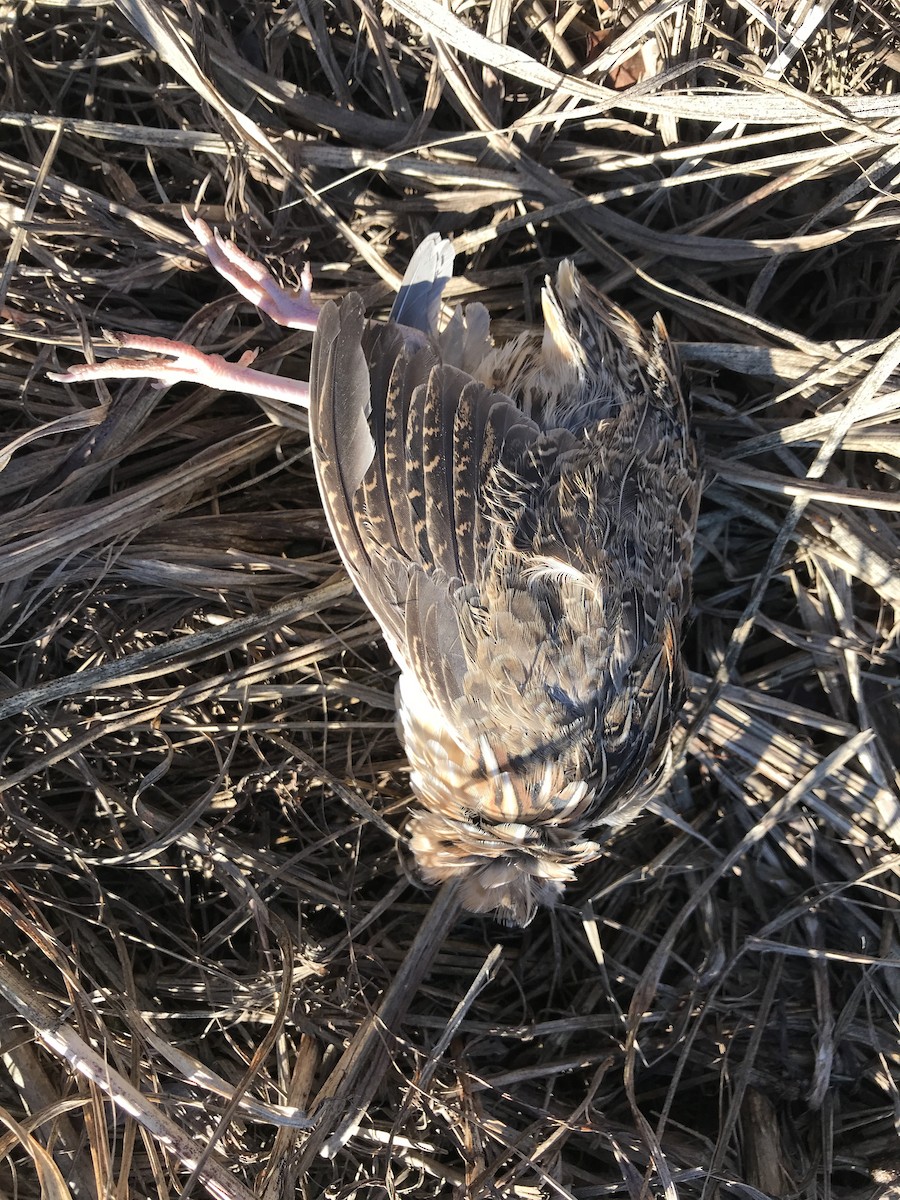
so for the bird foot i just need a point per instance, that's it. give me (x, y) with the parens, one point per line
(294, 310)
(179, 362)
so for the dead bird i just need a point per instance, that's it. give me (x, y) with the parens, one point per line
(520, 521)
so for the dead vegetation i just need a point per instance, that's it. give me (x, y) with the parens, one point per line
(204, 887)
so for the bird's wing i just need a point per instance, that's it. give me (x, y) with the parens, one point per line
(404, 447)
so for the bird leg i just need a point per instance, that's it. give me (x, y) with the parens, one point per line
(179, 362)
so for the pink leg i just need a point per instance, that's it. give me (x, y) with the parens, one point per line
(177, 362)
(295, 310)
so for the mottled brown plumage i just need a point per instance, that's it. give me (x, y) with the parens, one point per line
(520, 521)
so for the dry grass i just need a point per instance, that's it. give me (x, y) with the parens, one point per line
(204, 886)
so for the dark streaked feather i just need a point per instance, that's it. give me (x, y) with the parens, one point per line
(408, 372)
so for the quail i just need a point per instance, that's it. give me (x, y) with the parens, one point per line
(519, 519)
